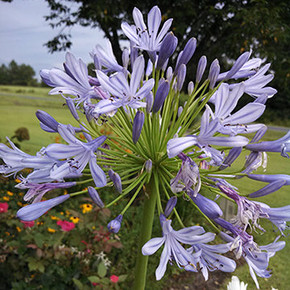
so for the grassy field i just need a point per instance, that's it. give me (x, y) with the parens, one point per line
(17, 109)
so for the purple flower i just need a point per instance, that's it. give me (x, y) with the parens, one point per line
(73, 81)
(137, 126)
(173, 250)
(200, 68)
(33, 211)
(161, 94)
(276, 181)
(170, 206)
(36, 191)
(281, 145)
(204, 139)
(115, 224)
(95, 197)
(147, 38)
(122, 93)
(115, 177)
(210, 260)
(79, 154)
(187, 177)
(214, 71)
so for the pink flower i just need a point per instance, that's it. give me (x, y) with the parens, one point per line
(65, 225)
(114, 278)
(28, 224)
(3, 207)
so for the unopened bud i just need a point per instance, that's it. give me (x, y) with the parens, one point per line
(95, 197)
(115, 224)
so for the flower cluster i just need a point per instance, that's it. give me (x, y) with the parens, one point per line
(154, 148)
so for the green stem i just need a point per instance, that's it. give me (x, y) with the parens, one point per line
(145, 235)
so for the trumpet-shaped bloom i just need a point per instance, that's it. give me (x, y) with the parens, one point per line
(204, 139)
(122, 93)
(79, 154)
(173, 250)
(147, 38)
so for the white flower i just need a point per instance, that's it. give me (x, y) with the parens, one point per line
(235, 284)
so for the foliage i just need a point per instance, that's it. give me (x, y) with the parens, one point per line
(42, 253)
(15, 74)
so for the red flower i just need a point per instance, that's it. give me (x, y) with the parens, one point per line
(28, 224)
(3, 207)
(114, 278)
(65, 225)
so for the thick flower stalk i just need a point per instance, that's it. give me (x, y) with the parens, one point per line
(158, 149)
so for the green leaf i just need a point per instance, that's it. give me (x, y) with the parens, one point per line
(78, 283)
(94, 279)
(35, 265)
(102, 270)
(122, 278)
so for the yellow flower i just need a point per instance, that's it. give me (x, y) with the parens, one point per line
(6, 198)
(51, 230)
(67, 212)
(18, 229)
(54, 218)
(19, 203)
(17, 180)
(75, 219)
(86, 207)
(65, 192)
(10, 193)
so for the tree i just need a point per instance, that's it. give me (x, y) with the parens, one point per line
(15, 74)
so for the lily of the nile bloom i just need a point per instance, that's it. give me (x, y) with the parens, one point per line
(281, 145)
(225, 102)
(210, 260)
(115, 224)
(105, 59)
(173, 251)
(115, 177)
(147, 38)
(256, 256)
(187, 178)
(49, 124)
(137, 126)
(36, 191)
(255, 85)
(276, 181)
(80, 154)
(204, 139)
(16, 160)
(207, 206)
(95, 197)
(122, 93)
(33, 211)
(74, 80)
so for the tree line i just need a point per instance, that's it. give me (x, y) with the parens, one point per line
(19, 75)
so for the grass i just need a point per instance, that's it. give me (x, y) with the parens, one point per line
(17, 109)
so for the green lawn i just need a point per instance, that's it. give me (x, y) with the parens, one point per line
(17, 109)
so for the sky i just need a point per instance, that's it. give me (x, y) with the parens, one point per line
(23, 32)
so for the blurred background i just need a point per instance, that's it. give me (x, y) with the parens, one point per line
(35, 35)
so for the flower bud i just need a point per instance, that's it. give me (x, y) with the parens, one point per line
(33, 211)
(180, 109)
(169, 73)
(167, 48)
(115, 225)
(170, 206)
(190, 87)
(207, 206)
(186, 54)
(161, 95)
(213, 73)
(95, 197)
(115, 177)
(181, 76)
(149, 68)
(47, 123)
(148, 165)
(232, 156)
(149, 102)
(137, 126)
(125, 58)
(72, 108)
(200, 68)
